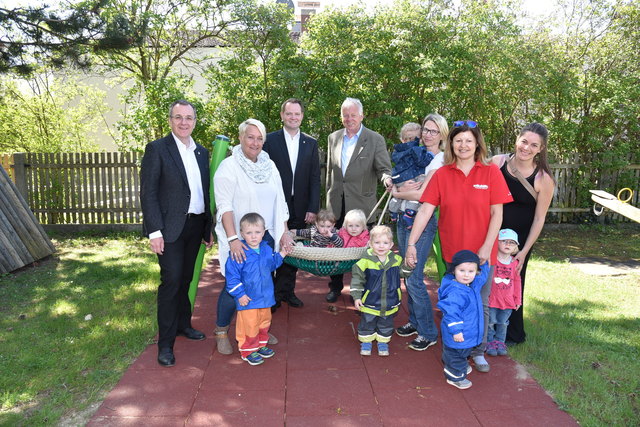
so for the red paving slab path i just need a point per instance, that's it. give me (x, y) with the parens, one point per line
(317, 378)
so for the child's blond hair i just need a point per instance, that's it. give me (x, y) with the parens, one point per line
(355, 216)
(380, 230)
(409, 127)
(325, 215)
(252, 218)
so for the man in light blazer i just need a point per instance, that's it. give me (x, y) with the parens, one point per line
(296, 157)
(357, 159)
(174, 193)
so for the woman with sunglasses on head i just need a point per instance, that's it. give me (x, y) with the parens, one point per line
(470, 192)
(434, 132)
(528, 176)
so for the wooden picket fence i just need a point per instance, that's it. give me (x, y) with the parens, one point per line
(103, 188)
(80, 188)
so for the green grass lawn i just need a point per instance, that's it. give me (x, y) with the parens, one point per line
(583, 331)
(72, 324)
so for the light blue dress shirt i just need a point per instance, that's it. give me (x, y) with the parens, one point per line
(348, 145)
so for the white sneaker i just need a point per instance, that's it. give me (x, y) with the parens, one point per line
(464, 384)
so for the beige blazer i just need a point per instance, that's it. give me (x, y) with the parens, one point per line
(369, 164)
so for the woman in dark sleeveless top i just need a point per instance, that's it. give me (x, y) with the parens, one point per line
(526, 214)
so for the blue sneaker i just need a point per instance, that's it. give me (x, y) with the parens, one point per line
(266, 352)
(365, 349)
(254, 359)
(383, 349)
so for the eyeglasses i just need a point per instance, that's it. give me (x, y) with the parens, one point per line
(432, 132)
(187, 119)
(469, 123)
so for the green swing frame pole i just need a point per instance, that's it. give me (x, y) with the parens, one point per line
(220, 148)
(437, 252)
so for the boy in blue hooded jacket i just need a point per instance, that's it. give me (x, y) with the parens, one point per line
(251, 285)
(463, 319)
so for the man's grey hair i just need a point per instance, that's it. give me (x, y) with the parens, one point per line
(183, 102)
(348, 102)
(252, 122)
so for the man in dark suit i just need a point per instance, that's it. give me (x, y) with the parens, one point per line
(296, 157)
(174, 192)
(357, 159)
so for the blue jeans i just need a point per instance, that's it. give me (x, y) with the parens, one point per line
(498, 322)
(420, 310)
(484, 293)
(226, 303)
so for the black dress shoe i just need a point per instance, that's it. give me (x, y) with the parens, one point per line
(192, 334)
(294, 301)
(165, 357)
(332, 296)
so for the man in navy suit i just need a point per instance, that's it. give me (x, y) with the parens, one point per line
(296, 157)
(174, 193)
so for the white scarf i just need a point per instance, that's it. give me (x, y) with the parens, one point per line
(259, 171)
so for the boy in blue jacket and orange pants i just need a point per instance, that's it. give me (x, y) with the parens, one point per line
(251, 285)
(463, 319)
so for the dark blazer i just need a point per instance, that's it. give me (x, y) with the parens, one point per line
(307, 178)
(369, 162)
(164, 189)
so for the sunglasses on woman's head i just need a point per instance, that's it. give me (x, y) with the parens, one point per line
(469, 123)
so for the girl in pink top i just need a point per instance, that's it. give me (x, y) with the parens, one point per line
(506, 292)
(354, 231)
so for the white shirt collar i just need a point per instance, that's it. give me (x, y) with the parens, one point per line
(180, 144)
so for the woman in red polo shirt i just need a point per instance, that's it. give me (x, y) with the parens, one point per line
(470, 192)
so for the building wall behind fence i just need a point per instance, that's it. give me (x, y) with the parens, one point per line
(104, 188)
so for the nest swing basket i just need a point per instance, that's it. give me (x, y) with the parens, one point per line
(330, 261)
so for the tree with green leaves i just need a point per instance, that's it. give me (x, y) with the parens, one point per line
(175, 34)
(256, 72)
(53, 115)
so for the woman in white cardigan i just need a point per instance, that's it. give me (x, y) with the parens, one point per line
(247, 181)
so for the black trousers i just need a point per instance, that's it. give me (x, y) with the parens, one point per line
(176, 272)
(284, 281)
(284, 278)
